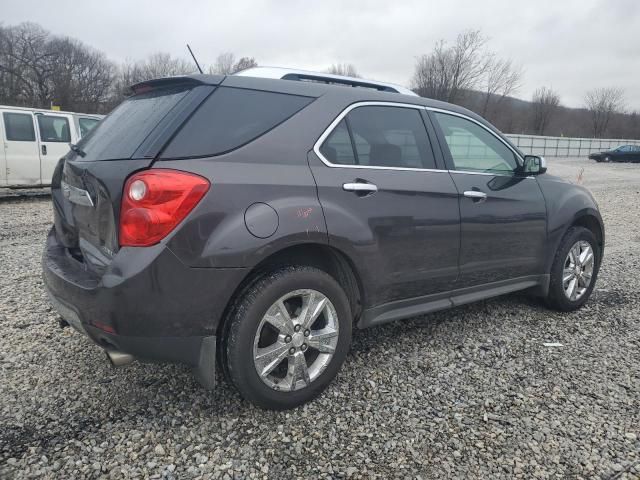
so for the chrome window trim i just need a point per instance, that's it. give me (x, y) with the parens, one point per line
(344, 113)
(466, 117)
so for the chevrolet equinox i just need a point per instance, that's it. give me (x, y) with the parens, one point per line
(254, 222)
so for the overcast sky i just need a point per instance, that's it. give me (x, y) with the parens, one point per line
(570, 45)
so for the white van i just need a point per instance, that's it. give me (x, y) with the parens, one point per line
(34, 140)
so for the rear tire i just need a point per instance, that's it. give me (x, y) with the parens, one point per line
(288, 336)
(574, 272)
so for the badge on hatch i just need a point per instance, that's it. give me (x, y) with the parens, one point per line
(76, 195)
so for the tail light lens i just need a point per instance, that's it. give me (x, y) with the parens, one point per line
(154, 202)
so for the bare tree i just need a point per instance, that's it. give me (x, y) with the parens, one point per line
(81, 77)
(544, 104)
(244, 63)
(28, 60)
(344, 69)
(156, 65)
(448, 71)
(162, 64)
(603, 104)
(224, 64)
(501, 79)
(38, 69)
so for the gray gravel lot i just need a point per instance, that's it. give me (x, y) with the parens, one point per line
(470, 392)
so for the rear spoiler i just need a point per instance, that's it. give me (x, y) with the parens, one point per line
(178, 80)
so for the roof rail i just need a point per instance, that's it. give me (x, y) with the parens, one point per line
(307, 76)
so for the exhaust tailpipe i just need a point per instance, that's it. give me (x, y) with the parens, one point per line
(119, 359)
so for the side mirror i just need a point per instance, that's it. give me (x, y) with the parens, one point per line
(534, 165)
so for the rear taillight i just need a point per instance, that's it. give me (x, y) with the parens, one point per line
(154, 202)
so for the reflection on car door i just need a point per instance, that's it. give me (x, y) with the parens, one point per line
(503, 214)
(55, 135)
(22, 155)
(383, 207)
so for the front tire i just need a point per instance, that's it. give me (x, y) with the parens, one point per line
(607, 159)
(574, 270)
(289, 334)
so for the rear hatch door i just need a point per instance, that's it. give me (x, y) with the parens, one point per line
(87, 183)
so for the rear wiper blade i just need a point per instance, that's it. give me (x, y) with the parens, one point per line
(77, 149)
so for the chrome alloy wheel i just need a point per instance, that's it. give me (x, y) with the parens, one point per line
(578, 270)
(296, 340)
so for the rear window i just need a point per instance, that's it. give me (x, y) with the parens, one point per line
(120, 134)
(230, 118)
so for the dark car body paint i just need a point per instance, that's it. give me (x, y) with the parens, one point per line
(616, 156)
(410, 251)
(566, 204)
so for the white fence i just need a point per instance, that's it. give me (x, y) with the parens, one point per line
(564, 146)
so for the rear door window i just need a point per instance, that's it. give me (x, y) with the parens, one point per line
(119, 134)
(231, 118)
(53, 129)
(18, 127)
(391, 137)
(383, 136)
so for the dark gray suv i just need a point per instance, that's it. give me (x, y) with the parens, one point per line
(256, 222)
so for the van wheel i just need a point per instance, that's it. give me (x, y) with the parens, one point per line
(288, 336)
(574, 270)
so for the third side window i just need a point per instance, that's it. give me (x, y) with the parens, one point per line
(337, 147)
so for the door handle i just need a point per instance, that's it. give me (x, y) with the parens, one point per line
(360, 187)
(44, 149)
(476, 195)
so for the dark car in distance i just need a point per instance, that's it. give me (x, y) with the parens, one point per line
(623, 153)
(254, 222)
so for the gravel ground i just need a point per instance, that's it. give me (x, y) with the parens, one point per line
(9, 194)
(470, 392)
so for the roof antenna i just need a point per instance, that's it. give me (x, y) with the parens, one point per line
(194, 58)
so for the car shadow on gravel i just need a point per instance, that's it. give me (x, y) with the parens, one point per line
(140, 393)
(154, 385)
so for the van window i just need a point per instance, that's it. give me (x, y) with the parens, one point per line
(18, 127)
(231, 118)
(53, 129)
(86, 125)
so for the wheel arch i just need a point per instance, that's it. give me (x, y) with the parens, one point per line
(324, 257)
(591, 222)
(588, 218)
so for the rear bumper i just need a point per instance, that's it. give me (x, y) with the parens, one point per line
(147, 303)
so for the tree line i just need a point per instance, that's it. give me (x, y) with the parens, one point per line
(469, 74)
(39, 69)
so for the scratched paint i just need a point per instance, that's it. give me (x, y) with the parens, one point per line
(304, 212)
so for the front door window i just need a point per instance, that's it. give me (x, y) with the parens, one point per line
(474, 149)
